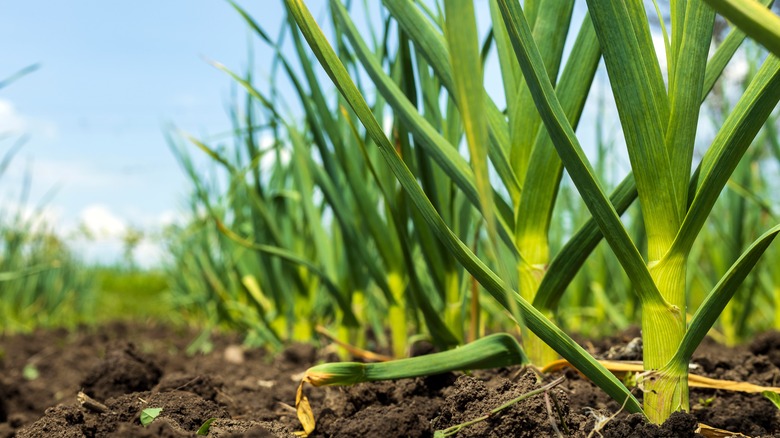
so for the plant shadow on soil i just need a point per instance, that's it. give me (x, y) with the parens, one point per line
(131, 367)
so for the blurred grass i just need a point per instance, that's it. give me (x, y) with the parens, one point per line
(131, 295)
(359, 256)
(44, 284)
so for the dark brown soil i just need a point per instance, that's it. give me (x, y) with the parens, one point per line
(125, 369)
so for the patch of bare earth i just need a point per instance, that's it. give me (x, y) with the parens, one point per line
(123, 369)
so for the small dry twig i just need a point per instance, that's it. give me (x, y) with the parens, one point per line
(602, 421)
(90, 403)
(453, 430)
(550, 414)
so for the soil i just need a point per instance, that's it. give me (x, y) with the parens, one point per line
(123, 369)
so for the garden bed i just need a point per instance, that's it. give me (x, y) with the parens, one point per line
(127, 368)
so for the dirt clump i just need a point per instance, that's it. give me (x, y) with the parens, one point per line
(472, 397)
(397, 408)
(124, 370)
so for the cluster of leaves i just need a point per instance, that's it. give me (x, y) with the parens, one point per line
(398, 214)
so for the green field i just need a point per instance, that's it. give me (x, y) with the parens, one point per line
(403, 201)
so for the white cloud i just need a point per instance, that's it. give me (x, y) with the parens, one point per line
(107, 230)
(101, 223)
(152, 222)
(387, 124)
(11, 122)
(35, 218)
(169, 217)
(103, 252)
(660, 51)
(737, 68)
(148, 254)
(268, 161)
(15, 123)
(73, 174)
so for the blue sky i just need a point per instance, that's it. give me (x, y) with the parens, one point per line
(113, 74)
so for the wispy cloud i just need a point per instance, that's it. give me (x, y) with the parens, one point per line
(35, 218)
(13, 122)
(77, 174)
(98, 234)
(107, 231)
